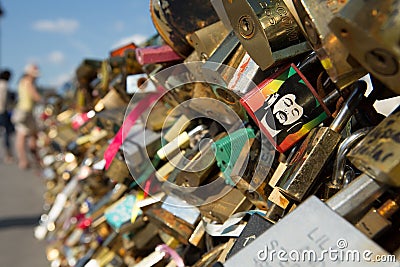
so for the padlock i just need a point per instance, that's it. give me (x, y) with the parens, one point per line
(145, 239)
(157, 117)
(106, 257)
(175, 28)
(247, 75)
(376, 221)
(111, 120)
(230, 203)
(354, 203)
(112, 100)
(285, 107)
(206, 40)
(80, 120)
(132, 65)
(62, 135)
(224, 52)
(177, 128)
(349, 203)
(256, 226)
(266, 29)
(126, 63)
(199, 168)
(156, 54)
(113, 195)
(211, 257)
(222, 105)
(228, 148)
(119, 213)
(377, 153)
(139, 145)
(85, 74)
(105, 72)
(182, 140)
(355, 199)
(338, 179)
(334, 56)
(163, 173)
(371, 39)
(252, 172)
(87, 70)
(119, 51)
(83, 143)
(118, 170)
(118, 83)
(195, 165)
(175, 217)
(304, 231)
(303, 171)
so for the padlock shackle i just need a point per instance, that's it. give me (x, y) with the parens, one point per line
(344, 148)
(356, 197)
(358, 90)
(331, 98)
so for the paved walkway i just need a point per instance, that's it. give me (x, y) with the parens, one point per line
(20, 208)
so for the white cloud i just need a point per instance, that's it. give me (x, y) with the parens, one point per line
(56, 57)
(136, 38)
(65, 26)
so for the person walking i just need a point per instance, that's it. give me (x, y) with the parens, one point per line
(5, 120)
(23, 114)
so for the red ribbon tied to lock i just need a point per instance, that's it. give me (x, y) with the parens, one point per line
(129, 121)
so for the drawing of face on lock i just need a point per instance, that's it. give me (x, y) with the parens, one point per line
(286, 107)
(286, 111)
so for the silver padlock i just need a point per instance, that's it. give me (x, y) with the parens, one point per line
(306, 237)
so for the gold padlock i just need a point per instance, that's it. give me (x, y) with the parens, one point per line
(266, 29)
(370, 30)
(220, 210)
(378, 154)
(334, 56)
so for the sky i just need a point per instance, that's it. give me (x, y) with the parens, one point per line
(59, 34)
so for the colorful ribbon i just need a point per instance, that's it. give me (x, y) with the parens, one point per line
(130, 120)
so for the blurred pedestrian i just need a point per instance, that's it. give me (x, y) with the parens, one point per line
(23, 115)
(5, 120)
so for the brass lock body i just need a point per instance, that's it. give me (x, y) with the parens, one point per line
(370, 31)
(378, 154)
(266, 29)
(334, 56)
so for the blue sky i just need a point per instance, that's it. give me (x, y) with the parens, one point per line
(59, 34)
